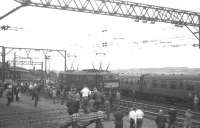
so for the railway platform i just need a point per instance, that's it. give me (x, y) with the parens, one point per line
(23, 114)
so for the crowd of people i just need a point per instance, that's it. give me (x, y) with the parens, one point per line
(89, 99)
(163, 120)
(14, 89)
(93, 100)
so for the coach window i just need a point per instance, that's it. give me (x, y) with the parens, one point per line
(173, 85)
(132, 81)
(129, 81)
(120, 81)
(190, 88)
(154, 84)
(126, 80)
(163, 84)
(181, 84)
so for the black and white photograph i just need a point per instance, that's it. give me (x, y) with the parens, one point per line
(99, 64)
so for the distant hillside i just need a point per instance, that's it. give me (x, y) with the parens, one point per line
(167, 70)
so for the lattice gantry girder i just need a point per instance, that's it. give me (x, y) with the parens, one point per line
(122, 9)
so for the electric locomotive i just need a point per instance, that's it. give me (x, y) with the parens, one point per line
(90, 77)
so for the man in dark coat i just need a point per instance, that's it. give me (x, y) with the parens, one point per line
(73, 103)
(90, 105)
(16, 92)
(172, 118)
(36, 95)
(9, 96)
(99, 99)
(161, 120)
(118, 119)
(107, 108)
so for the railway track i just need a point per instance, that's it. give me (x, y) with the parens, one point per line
(168, 104)
(50, 118)
(151, 111)
(165, 107)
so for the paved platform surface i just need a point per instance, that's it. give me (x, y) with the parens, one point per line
(27, 105)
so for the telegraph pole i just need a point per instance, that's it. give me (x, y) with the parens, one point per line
(65, 59)
(45, 63)
(199, 31)
(14, 66)
(42, 66)
(3, 64)
(61, 52)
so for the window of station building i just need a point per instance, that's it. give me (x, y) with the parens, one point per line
(163, 84)
(173, 84)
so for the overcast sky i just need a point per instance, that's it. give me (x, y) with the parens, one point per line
(81, 35)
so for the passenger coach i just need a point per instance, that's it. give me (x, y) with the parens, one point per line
(162, 87)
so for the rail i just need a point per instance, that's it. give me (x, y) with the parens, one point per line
(151, 111)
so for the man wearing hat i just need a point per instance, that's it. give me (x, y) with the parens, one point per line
(161, 119)
(118, 118)
(132, 118)
(73, 103)
(172, 118)
(99, 99)
(140, 115)
(9, 95)
(188, 119)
